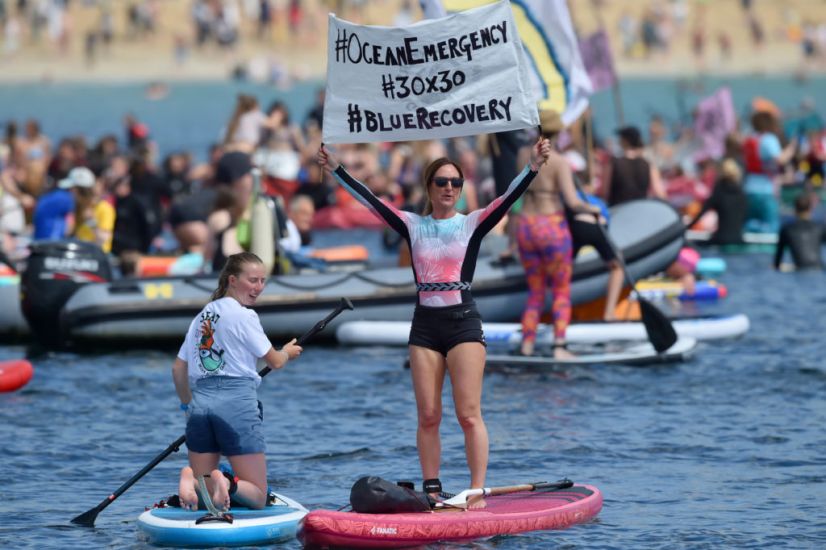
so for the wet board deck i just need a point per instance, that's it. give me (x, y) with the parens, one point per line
(504, 514)
(172, 526)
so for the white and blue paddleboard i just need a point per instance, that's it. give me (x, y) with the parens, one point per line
(170, 526)
(396, 333)
(627, 353)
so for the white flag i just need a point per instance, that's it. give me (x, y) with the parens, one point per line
(560, 81)
(461, 75)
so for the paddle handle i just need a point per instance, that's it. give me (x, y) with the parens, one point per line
(538, 486)
(461, 500)
(493, 491)
(343, 304)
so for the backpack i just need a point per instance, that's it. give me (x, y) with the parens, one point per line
(374, 495)
(751, 155)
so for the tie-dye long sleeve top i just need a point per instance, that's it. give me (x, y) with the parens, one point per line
(443, 252)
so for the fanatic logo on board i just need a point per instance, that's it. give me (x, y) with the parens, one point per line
(383, 531)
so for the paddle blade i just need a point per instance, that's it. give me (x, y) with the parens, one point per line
(660, 331)
(87, 519)
(553, 486)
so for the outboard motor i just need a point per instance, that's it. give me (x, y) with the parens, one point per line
(55, 269)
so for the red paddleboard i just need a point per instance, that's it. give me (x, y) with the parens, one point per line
(504, 514)
(15, 374)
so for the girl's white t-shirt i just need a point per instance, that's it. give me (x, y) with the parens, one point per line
(224, 339)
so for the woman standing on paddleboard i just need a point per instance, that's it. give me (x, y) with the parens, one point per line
(216, 379)
(446, 333)
(544, 241)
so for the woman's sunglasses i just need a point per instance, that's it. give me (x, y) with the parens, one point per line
(456, 183)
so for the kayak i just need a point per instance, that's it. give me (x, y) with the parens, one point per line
(395, 333)
(629, 353)
(505, 514)
(15, 374)
(710, 267)
(172, 526)
(654, 289)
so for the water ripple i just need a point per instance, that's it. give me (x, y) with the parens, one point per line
(725, 451)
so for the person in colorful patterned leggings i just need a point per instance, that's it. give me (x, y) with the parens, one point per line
(446, 332)
(544, 241)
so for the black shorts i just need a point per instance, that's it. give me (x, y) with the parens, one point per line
(442, 328)
(587, 233)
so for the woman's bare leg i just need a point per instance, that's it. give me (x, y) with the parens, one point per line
(466, 364)
(427, 369)
(251, 471)
(615, 280)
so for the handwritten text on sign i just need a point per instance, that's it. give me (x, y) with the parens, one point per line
(426, 81)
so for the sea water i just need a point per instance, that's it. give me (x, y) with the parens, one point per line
(727, 450)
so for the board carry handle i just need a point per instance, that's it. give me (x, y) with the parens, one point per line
(214, 515)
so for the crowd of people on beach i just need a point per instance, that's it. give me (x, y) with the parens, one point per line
(119, 194)
(656, 29)
(645, 29)
(54, 25)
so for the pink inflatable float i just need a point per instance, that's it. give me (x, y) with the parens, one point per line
(15, 374)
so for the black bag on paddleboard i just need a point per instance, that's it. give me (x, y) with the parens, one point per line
(374, 495)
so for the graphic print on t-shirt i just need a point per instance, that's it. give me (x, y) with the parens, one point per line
(211, 357)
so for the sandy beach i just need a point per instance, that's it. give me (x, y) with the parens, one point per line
(282, 54)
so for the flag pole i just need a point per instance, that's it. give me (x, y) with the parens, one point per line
(616, 93)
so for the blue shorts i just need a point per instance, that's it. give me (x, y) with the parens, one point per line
(225, 417)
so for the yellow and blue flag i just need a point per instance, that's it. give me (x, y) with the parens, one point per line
(558, 74)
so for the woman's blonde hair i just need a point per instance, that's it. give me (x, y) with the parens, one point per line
(427, 177)
(234, 266)
(243, 105)
(85, 197)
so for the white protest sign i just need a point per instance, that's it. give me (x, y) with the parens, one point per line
(461, 75)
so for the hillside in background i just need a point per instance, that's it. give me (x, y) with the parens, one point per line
(160, 39)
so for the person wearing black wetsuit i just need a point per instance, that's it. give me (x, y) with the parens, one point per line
(731, 204)
(802, 236)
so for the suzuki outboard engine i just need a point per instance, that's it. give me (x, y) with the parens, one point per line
(55, 269)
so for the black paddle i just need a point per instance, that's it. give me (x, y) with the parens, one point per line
(87, 519)
(658, 327)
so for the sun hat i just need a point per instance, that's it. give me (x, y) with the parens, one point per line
(550, 121)
(78, 177)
